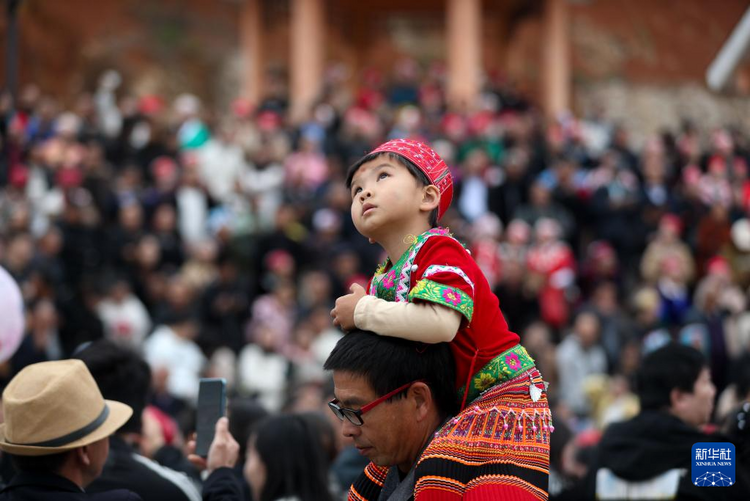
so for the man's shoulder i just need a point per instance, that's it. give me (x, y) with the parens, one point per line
(43, 492)
(369, 484)
(114, 495)
(146, 477)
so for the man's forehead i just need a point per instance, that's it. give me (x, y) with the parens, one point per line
(348, 385)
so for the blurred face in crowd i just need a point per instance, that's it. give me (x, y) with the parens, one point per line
(390, 434)
(255, 470)
(20, 251)
(540, 195)
(51, 243)
(179, 293)
(537, 337)
(120, 291)
(45, 316)
(131, 217)
(148, 252)
(695, 408)
(165, 219)
(587, 328)
(187, 329)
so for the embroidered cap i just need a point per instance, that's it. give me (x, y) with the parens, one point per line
(428, 162)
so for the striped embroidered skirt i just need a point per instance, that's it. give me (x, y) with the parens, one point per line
(496, 448)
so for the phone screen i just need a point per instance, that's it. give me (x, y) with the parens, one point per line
(211, 406)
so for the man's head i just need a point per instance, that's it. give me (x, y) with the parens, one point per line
(56, 421)
(676, 379)
(121, 375)
(367, 367)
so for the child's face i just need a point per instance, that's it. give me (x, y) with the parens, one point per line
(386, 199)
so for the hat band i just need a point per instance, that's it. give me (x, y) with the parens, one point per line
(75, 435)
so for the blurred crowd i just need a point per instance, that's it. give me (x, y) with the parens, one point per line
(214, 241)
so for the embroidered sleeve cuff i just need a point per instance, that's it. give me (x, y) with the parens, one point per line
(427, 290)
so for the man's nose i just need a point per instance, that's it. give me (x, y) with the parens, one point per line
(348, 429)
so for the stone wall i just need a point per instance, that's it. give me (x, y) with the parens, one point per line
(646, 109)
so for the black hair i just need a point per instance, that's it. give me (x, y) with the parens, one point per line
(324, 432)
(410, 166)
(51, 463)
(389, 362)
(244, 416)
(742, 376)
(295, 463)
(672, 366)
(121, 375)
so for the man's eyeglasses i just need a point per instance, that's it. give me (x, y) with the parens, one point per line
(355, 417)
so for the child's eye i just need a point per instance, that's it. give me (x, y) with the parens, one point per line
(382, 175)
(356, 190)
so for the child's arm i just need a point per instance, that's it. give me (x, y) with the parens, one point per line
(425, 322)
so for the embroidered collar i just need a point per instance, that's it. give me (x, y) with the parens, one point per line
(392, 281)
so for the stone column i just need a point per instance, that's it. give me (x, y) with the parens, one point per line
(464, 43)
(251, 41)
(556, 79)
(306, 61)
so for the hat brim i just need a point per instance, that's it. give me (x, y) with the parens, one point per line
(119, 414)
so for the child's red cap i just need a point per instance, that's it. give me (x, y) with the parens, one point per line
(428, 162)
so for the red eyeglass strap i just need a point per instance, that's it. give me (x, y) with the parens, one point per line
(387, 396)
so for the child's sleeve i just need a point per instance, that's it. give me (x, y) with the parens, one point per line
(425, 322)
(445, 277)
(441, 299)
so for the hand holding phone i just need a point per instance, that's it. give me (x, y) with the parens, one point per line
(211, 406)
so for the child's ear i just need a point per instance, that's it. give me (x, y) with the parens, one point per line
(430, 198)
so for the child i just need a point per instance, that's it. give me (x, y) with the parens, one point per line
(431, 290)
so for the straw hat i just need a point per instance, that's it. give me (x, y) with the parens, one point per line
(54, 407)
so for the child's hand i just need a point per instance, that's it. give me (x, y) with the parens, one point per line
(343, 312)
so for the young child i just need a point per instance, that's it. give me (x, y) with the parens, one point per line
(431, 290)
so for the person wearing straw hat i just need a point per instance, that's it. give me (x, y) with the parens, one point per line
(56, 430)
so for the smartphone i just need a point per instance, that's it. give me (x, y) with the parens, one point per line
(212, 404)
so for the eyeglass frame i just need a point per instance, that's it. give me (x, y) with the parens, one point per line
(345, 412)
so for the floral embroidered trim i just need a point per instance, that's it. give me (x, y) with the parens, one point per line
(402, 291)
(427, 290)
(436, 268)
(396, 287)
(503, 367)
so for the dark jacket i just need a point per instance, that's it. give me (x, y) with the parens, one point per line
(38, 487)
(222, 485)
(652, 444)
(127, 469)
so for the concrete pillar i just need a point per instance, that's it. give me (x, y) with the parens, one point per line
(556, 78)
(306, 61)
(251, 41)
(464, 31)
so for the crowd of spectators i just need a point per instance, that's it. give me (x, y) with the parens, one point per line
(215, 241)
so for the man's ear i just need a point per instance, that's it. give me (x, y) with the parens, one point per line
(82, 455)
(676, 397)
(430, 198)
(423, 400)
